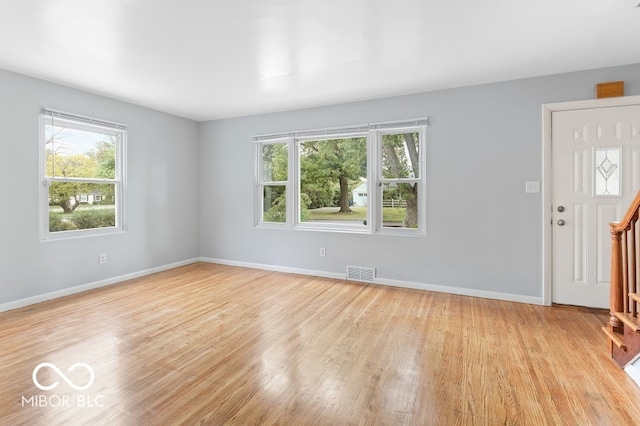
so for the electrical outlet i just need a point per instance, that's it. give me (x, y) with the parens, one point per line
(103, 258)
(323, 252)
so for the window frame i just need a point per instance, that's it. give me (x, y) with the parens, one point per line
(374, 134)
(261, 184)
(88, 124)
(318, 226)
(420, 181)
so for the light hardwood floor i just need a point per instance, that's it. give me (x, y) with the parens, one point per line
(212, 344)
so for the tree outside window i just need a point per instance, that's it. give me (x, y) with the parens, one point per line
(330, 170)
(400, 179)
(82, 175)
(322, 180)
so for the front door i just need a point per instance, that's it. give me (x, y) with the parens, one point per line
(596, 175)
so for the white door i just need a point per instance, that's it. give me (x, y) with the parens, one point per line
(596, 175)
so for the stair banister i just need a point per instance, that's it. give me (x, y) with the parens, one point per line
(616, 300)
(623, 261)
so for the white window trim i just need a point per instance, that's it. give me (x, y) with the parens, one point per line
(327, 227)
(420, 180)
(260, 184)
(373, 133)
(85, 123)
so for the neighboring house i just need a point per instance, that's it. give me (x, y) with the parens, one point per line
(360, 195)
(91, 198)
(94, 197)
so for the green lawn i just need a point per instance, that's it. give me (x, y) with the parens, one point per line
(331, 213)
(390, 214)
(393, 214)
(58, 209)
(84, 217)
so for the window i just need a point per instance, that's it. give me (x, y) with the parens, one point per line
(82, 171)
(330, 170)
(400, 180)
(274, 166)
(360, 179)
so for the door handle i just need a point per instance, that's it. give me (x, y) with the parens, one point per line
(561, 222)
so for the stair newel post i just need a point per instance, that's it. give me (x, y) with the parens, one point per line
(632, 285)
(616, 301)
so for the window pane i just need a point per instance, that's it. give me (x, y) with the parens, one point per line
(274, 204)
(75, 206)
(400, 156)
(400, 205)
(274, 162)
(607, 172)
(333, 185)
(79, 153)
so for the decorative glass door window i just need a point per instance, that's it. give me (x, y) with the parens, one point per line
(607, 172)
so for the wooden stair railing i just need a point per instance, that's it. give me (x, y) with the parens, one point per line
(623, 329)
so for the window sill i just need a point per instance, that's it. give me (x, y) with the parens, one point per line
(71, 235)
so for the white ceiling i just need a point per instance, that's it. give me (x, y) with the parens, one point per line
(210, 59)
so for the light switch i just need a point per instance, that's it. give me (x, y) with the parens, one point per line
(532, 187)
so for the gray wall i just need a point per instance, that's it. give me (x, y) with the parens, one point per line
(483, 232)
(190, 189)
(162, 193)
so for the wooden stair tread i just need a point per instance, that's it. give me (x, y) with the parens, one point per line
(635, 296)
(614, 337)
(628, 320)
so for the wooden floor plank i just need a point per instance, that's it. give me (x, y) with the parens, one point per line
(214, 344)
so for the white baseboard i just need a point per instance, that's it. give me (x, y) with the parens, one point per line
(380, 281)
(385, 281)
(633, 369)
(484, 294)
(274, 268)
(90, 286)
